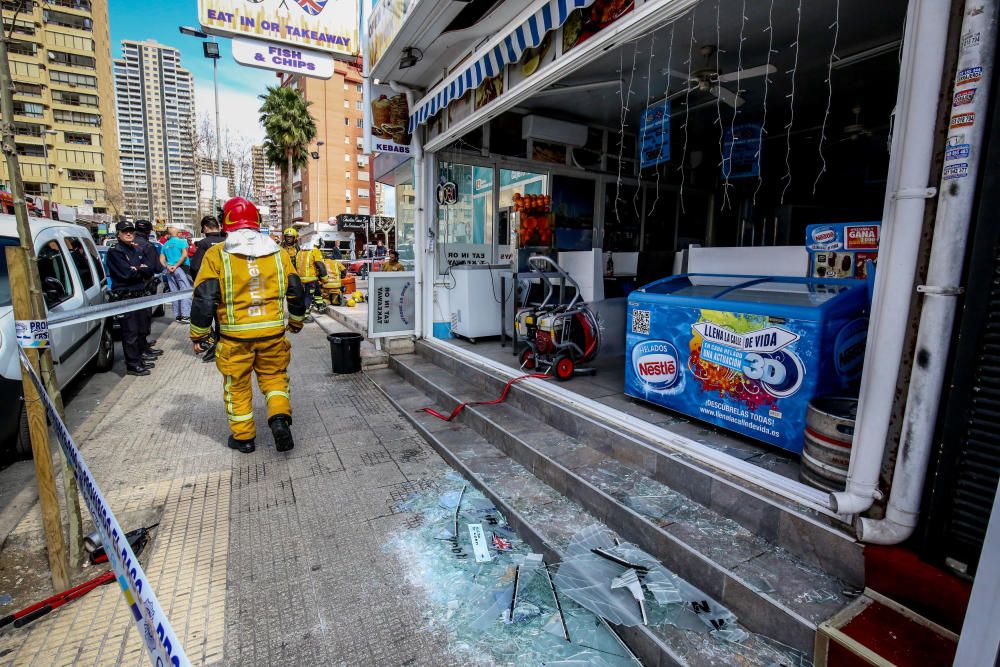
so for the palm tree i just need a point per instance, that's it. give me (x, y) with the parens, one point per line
(289, 128)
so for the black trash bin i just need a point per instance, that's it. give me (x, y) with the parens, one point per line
(345, 351)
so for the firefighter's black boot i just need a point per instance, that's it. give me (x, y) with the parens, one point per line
(281, 429)
(245, 446)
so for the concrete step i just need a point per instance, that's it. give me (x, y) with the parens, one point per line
(778, 593)
(817, 539)
(547, 518)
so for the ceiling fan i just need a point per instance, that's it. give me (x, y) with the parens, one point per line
(708, 78)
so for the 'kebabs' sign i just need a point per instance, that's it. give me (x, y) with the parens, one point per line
(321, 25)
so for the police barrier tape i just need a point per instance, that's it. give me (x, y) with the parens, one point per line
(112, 308)
(150, 620)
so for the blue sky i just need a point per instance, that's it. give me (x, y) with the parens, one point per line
(238, 85)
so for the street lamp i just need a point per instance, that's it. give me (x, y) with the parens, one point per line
(319, 183)
(211, 51)
(45, 155)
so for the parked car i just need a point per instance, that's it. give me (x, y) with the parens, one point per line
(73, 277)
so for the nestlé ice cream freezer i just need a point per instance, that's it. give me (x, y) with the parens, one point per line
(746, 353)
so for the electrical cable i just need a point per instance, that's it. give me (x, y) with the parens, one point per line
(835, 26)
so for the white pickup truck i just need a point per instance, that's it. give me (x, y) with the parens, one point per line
(72, 278)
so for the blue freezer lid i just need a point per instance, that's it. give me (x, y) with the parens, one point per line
(779, 296)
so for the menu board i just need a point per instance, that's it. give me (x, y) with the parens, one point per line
(741, 151)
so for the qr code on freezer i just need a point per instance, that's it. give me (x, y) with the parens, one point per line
(640, 322)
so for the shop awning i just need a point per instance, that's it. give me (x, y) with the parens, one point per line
(490, 60)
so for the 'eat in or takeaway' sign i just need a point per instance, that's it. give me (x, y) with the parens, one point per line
(320, 25)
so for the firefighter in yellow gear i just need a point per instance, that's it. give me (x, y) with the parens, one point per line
(331, 285)
(312, 271)
(249, 285)
(290, 242)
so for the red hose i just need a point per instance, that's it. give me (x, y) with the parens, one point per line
(503, 397)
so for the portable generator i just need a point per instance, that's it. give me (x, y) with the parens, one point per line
(558, 337)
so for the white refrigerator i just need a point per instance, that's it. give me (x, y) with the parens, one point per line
(475, 299)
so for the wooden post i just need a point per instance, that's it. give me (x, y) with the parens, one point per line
(29, 289)
(17, 267)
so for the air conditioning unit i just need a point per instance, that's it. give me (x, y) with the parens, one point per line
(551, 130)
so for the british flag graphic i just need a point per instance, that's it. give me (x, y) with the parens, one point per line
(312, 7)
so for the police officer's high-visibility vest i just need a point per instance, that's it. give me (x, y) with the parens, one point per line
(253, 291)
(305, 264)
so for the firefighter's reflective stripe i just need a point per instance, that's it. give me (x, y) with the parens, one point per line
(227, 389)
(282, 286)
(200, 331)
(270, 324)
(241, 418)
(305, 264)
(227, 288)
(271, 394)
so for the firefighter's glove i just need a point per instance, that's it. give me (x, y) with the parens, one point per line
(202, 344)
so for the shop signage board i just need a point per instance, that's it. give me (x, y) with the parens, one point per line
(387, 121)
(391, 304)
(454, 254)
(842, 250)
(268, 55)
(331, 26)
(347, 222)
(383, 25)
(741, 156)
(654, 134)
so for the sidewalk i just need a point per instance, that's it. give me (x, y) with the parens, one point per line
(267, 558)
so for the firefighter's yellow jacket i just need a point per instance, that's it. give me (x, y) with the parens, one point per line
(309, 264)
(334, 270)
(250, 296)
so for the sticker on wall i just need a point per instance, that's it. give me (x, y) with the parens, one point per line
(953, 171)
(956, 151)
(963, 120)
(964, 97)
(971, 40)
(968, 75)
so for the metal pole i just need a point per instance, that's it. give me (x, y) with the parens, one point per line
(26, 295)
(48, 181)
(218, 136)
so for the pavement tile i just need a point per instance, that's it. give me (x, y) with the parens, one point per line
(262, 559)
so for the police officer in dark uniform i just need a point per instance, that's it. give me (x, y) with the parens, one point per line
(143, 228)
(130, 272)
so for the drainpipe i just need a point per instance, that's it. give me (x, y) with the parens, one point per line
(922, 66)
(421, 224)
(944, 273)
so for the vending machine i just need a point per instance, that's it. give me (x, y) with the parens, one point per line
(746, 353)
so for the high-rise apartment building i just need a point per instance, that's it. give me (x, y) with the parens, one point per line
(338, 181)
(64, 111)
(225, 183)
(266, 187)
(155, 97)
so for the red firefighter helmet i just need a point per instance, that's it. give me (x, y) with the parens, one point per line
(238, 213)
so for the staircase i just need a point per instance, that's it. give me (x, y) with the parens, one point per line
(780, 568)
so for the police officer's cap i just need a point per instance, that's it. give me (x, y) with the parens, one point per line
(126, 226)
(143, 226)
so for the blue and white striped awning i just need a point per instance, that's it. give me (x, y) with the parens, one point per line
(490, 60)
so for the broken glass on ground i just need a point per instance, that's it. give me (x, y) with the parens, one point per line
(475, 603)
